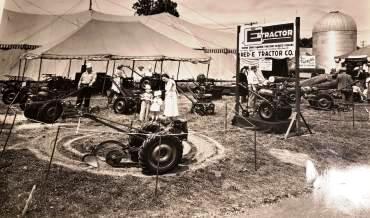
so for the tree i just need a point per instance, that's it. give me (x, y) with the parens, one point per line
(149, 7)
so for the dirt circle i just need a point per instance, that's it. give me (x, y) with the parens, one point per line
(199, 151)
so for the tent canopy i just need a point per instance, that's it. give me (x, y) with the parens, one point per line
(116, 40)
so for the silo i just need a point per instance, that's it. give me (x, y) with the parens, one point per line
(333, 35)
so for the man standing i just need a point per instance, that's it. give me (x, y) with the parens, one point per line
(345, 86)
(84, 85)
(243, 84)
(252, 87)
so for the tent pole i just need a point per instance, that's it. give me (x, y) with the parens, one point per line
(105, 77)
(155, 66)
(237, 94)
(178, 70)
(69, 68)
(161, 66)
(24, 68)
(209, 64)
(40, 68)
(19, 69)
(133, 68)
(114, 67)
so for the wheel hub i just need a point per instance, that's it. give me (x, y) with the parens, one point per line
(163, 153)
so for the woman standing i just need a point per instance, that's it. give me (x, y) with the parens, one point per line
(170, 102)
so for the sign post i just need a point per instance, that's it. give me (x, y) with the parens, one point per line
(297, 86)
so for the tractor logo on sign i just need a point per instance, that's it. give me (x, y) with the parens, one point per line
(269, 34)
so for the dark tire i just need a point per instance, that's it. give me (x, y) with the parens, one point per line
(291, 98)
(120, 105)
(324, 101)
(266, 111)
(145, 81)
(167, 150)
(284, 113)
(9, 96)
(31, 110)
(50, 112)
(114, 157)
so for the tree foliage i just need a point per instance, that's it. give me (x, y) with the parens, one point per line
(150, 7)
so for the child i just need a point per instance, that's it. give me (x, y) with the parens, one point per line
(146, 98)
(157, 102)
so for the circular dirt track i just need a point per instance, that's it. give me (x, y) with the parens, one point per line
(199, 151)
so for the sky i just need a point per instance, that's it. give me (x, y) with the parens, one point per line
(222, 14)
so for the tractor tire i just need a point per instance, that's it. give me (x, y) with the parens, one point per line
(284, 113)
(31, 110)
(145, 81)
(120, 106)
(50, 112)
(291, 98)
(160, 154)
(266, 111)
(9, 96)
(324, 101)
(114, 157)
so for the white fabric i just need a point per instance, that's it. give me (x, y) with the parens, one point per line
(117, 80)
(156, 104)
(170, 102)
(252, 78)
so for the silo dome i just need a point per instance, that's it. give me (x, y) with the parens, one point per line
(333, 35)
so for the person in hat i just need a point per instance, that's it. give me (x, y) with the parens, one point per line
(345, 82)
(117, 77)
(157, 102)
(146, 99)
(253, 82)
(85, 84)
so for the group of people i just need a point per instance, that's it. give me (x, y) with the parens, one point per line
(249, 79)
(349, 88)
(151, 102)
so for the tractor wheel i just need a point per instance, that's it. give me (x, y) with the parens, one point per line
(324, 101)
(50, 112)
(284, 113)
(291, 98)
(114, 157)
(145, 81)
(266, 111)
(9, 96)
(160, 154)
(120, 105)
(31, 110)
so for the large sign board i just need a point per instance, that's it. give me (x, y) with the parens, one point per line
(270, 40)
(308, 62)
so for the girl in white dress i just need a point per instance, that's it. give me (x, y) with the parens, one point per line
(157, 102)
